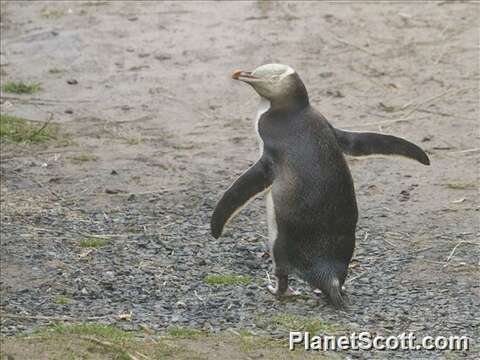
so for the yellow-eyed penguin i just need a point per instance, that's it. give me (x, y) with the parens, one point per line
(311, 206)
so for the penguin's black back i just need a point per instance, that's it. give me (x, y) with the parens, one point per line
(313, 193)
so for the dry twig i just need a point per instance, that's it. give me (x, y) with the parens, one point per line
(407, 117)
(110, 345)
(353, 45)
(464, 151)
(452, 253)
(355, 277)
(35, 133)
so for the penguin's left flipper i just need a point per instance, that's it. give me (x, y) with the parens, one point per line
(368, 143)
(251, 183)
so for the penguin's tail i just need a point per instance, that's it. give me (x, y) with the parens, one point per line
(328, 276)
(333, 289)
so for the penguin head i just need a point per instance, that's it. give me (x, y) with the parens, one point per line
(276, 82)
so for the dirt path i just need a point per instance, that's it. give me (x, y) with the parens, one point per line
(155, 119)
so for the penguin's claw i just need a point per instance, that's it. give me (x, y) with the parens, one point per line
(292, 292)
(289, 292)
(316, 294)
(273, 289)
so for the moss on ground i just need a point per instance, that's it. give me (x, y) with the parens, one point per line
(55, 71)
(227, 279)
(313, 325)
(82, 158)
(462, 185)
(21, 87)
(62, 300)
(17, 129)
(95, 329)
(102, 341)
(92, 242)
(184, 332)
(52, 13)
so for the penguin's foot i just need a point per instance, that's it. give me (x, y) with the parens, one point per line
(282, 289)
(292, 292)
(274, 290)
(288, 293)
(316, 294)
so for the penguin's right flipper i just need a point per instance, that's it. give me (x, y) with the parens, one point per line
(368, 143)
(251, 183)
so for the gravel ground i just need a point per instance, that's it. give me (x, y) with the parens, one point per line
(416, 263)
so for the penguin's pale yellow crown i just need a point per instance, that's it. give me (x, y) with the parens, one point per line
(267, 72)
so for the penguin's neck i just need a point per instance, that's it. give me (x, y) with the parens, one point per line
(295, 101)
(263, 107)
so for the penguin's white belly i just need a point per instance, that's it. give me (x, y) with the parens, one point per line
(271, 221)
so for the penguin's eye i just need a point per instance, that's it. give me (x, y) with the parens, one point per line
(275, 77)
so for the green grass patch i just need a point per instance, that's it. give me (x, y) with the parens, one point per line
(303, 323)
(253, 344)
(184, 332)
(462, 185)
(94, 3)
(101, 341)
(52, 13)
(81, 158)
(249, 342)
(228, 279)
(245, 333)
(21, 87)
(93, 329)
(62, 300)
(56, 71)
(134, 140)
(94, 243)
(17, 129)
(183, 147)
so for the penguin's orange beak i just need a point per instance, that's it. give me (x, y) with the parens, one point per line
(243, 75)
